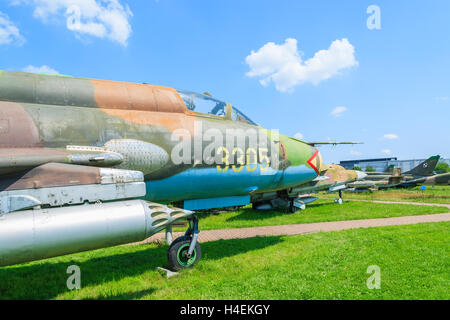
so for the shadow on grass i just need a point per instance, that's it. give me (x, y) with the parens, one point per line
(249, 214)
(219, 249)
(46, 280)
(132, 295)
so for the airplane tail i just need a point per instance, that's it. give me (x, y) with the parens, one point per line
(426, 168)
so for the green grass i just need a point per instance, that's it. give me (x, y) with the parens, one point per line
(414, 262)
(319, 211)
(437, 194)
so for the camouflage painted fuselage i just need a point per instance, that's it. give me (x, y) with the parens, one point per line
(46, 118)
(442, 179)
(332, 176)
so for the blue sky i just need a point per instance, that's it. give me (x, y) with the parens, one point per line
(393, 88)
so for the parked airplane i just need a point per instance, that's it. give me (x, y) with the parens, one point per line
(442, 179)
(333, 178)
(383, 180)
(74, 151)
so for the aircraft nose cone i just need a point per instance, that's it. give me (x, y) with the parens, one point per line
(361, 175)
(303, 162)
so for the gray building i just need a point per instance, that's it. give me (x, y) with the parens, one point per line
(381, 164)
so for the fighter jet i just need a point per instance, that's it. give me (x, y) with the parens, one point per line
(87, 164)
(442, 179)
(383, 180)
(333, 178)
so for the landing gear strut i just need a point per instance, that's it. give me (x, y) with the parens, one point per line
(339, 200)
(292, 208)
(296, 205)
(184, 252)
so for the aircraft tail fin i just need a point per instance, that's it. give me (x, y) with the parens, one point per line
(426, 168)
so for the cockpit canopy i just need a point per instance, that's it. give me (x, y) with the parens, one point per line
(205, 104)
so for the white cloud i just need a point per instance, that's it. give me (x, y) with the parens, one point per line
(355, 153)
(283, 65)
(298, 136)
(41, 69)
(337, 112)
(390, 136)
(386, 151)
(9, 33)
(98, 18)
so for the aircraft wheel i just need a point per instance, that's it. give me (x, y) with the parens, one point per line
(182, 238)
(292, 208)
(177, 254)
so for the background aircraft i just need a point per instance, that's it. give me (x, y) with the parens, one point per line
(442, 179)
(333, 178)
(380, 180)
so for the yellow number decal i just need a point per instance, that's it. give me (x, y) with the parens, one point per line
(263, 158)
(226, 155)
(251, 150)
(240, 159)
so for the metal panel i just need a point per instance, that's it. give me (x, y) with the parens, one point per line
(200, 204)
(58, 196)
(37, 234)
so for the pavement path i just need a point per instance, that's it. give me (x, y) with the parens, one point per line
(294, 229)
(403, 202)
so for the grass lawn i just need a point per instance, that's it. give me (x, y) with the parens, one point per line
(438, 194)
(414, 262)
(319, 211)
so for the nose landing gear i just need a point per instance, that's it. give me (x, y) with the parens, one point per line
(339, 200)
(184, 252)
(296, 205)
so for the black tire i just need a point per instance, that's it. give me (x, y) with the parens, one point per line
(177, 251)
(292, 208)
(182, 238)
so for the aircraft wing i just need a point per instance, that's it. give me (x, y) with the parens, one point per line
(316, 143)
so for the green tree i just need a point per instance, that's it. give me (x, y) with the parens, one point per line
(370, 169)
(442, 167)
(357, 168)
